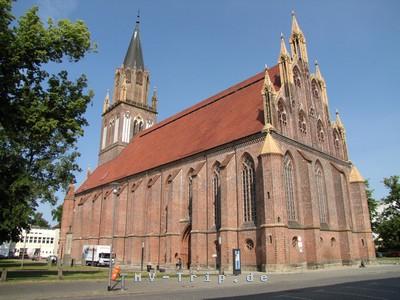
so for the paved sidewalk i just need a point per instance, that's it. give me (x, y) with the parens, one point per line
(232, 285)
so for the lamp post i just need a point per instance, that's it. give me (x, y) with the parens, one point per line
(141, 262)
(114, 199)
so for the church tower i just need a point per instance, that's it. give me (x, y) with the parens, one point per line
(128, 112)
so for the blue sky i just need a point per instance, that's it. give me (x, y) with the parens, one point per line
(194, 49)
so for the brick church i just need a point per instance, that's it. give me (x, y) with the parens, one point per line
(259, 166)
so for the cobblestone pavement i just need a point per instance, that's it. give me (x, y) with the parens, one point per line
(373, 282)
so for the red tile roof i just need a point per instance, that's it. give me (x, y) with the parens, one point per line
(232, 114)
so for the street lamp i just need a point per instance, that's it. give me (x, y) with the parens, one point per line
(114, 199)
(141, 262)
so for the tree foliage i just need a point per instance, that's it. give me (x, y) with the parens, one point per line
(56, 213)
(42, 114)
(372, 205)
(388, 226)
(38, 220)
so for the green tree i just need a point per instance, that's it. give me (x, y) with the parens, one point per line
(56, 213)
(372, 205)
(38, 220)
(42, 114)
(388, 227)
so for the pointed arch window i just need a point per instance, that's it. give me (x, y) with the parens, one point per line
(139, 77)
(116, 129)
(320, 131)
(249, 189)
(302, 122)
(315, 89)
(190, 202)
(321, 194)
(126, 127)
(296, 77)
(216, 184)
(288, 173)
(336, 139)
(104, 141)
(282, 117)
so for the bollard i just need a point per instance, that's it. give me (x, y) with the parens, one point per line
(4, 275)
(60, 274)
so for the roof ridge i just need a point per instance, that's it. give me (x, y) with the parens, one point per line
(206, 102)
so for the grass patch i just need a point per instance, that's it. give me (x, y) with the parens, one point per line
(388, 260)
(41, 270)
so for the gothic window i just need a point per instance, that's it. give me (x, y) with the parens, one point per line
(302, 122)
(139, 77)
(296, 77)
(288, 173)
(116, 128)
(126, 127)
(249, 244)
(128, 76)
(190, 188)
(217, 196)
(312, 112)
(103, 142)
(321, 194)
(249, 189)
(141, 126)
(336, 139)
(315, 89)
(166, 219)
(320, 131)
(282, 116)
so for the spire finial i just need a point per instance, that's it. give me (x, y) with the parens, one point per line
(138, 17)
(318, 71)
(284, 51)
(293, 13)
(295, 25)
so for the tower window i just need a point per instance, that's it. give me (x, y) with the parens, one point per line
(139, 77)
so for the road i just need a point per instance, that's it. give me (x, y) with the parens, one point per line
(373, 282)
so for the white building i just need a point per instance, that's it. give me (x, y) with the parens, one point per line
(40, 242)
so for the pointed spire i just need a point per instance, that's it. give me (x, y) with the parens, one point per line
(355, 175)
(270, 146)
(134, 55)
(318, 71)
(339, 121)
(88, 172)
(268, 85)
(154, 99)
(70, 192)
(106, 104)
(284, 52)
(295, 24)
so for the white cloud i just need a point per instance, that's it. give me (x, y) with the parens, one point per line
(56, 9)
